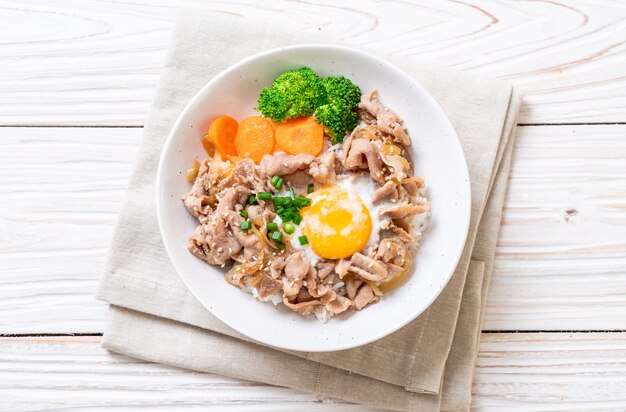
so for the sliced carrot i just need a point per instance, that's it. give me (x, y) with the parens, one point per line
(255, 138)
(273, 123)
(222, 132)
(208, 145)
(300, 135)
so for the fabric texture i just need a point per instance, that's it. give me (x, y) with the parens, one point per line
(427, 365)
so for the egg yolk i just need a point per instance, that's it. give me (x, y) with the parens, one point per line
(337, 223)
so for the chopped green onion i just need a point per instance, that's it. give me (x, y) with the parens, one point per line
(280, 245)
(276, 235)
(244, 214)
(292, 193)
(303, 240)
(297, 219)
(252, 200)
(246, 225)
(277, 182)
(301, 201)
(289, 228)
(282, 201)
(272, 226)
(309, 188)
(264, 196)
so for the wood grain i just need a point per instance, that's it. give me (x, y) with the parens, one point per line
(64, 373)
(515, 372)
(560, 263)
(551, 372)
(98, 62)
(561, 254)
(60, 192)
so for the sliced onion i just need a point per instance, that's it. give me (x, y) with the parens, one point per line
(391, 149)
(400, 277)
(419, 181)
(192, 173)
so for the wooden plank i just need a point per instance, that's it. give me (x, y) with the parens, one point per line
(59, 373)
(60, 192)
(515, 372)
(551, 372)
(561, 255)
(560, 261)
(91, 63)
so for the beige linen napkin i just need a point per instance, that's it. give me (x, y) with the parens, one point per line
(154, 317)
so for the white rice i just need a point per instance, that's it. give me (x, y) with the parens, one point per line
(275, 299)
(322, 314)
(420, 222)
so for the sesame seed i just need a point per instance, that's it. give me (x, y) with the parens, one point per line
(230, 250)
(371, 265)
(285, 164)
(219, 250)
(223, 264)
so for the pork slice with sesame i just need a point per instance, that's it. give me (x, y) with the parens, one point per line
(364, 155)
(216, 242)
(386, 120)
(337, 303)
(386, 193)
(197, 199)
(364, 296)
(352, 286)
(296, 266)
(282, 164)
(323, 168)
(403, 210)
(268, 286)
(304, 308)
(368, 268)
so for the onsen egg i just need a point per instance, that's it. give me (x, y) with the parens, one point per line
(337, 223)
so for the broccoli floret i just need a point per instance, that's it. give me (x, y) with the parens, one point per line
(294, 93)
(340, 88)
(273, 104)
(338, 119)
(301, 92)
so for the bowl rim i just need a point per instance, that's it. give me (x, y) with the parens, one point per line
(466, 185)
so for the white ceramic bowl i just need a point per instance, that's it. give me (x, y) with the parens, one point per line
(437, 155)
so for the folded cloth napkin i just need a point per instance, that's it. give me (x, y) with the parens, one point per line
(427, 365)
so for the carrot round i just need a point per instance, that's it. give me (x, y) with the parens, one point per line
(255, 138)
(222, 132)
(300, 135)
(208, 145)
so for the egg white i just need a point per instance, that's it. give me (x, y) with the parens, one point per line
(364, 187)
(361, 186)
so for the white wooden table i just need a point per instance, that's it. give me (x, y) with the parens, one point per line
(76, 79)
